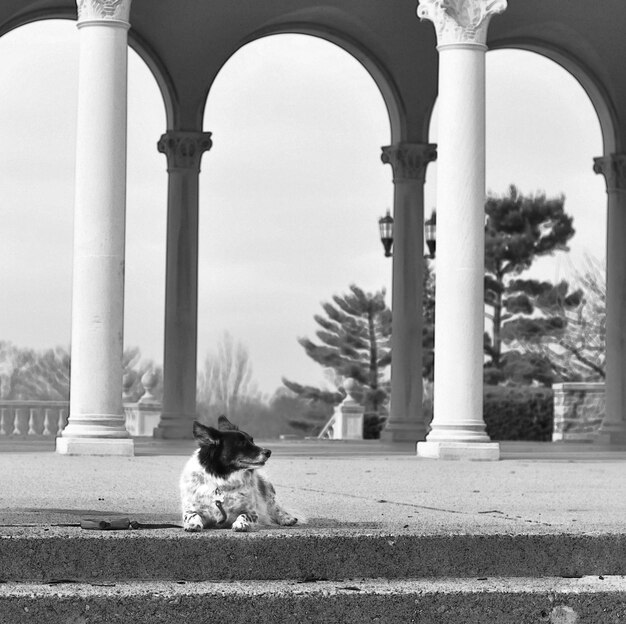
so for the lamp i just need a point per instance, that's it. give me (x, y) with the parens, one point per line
(430, 233)
(385, 225)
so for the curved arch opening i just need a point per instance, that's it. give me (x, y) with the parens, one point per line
(543, 132)
(39, 72)
(375, 70)
(594, 91)
(290, 196)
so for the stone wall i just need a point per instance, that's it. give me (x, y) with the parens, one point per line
(578, 411)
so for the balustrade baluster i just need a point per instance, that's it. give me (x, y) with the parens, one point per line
(48, 421)
(62, 420)
(21, 415)
(4, 419)
(32, 421)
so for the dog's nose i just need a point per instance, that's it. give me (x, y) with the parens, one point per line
(266, 453)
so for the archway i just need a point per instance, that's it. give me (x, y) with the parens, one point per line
(290, 196)
(37, 120)
(543, 132)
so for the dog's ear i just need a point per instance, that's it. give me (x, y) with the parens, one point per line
(206, 436)
(223, 424)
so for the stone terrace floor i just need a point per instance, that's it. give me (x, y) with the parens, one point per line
(536, 488)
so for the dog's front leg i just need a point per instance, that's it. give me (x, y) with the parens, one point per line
(245, 522)
(282, 517)
(276, 512)
(195, 519)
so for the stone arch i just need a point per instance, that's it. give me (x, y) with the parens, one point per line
(226, 149)
(160, 74)
(376, 70)
(37, 16)
(593, 87)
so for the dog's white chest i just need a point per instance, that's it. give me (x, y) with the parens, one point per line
(200, 490)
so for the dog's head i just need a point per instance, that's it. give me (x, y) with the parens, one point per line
(226, 450)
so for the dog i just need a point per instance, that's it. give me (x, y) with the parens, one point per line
(221, 486)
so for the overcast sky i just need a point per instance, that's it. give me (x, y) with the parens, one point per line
(290, 193)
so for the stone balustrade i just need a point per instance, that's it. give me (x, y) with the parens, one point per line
(47, 419)
(578, 411)
(21, 419)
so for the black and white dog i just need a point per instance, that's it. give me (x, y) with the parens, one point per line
(221, 486)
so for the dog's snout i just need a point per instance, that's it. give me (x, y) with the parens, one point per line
(266, 453)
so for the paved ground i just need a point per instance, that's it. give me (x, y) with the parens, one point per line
(362, 486)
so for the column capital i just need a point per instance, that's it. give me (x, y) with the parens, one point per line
(613, 168)
(184, 149)
(409, 160)
(114, 12)
(460, 21)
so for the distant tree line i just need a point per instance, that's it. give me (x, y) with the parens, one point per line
(44, 375)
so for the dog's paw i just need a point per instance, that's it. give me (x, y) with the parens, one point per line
(193, 523)
(286, 519)
(244, 522)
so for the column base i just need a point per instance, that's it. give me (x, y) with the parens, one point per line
(175, 427)
(403, 432)
(95, 446)
(477, 451)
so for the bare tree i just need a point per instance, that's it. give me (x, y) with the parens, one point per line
(226, 380)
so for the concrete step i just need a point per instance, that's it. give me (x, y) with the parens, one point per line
(587, 600)
(71, 554)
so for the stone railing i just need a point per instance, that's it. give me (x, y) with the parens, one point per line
(578, 411)
(47, 419)
(21, 419)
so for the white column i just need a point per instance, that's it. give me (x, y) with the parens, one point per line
(613, 167)
(409, 162)
(458, 428)
(96, 425)
(184, 152)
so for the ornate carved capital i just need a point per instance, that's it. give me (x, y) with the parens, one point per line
(460, 21)
(613, 168)
(184, 149)
(409, 160)
(114, 11)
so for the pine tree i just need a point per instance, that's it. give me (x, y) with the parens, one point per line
(355, 341)
(576, 350)
(519, 229)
